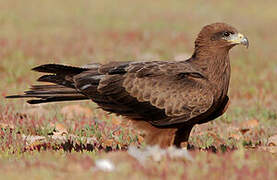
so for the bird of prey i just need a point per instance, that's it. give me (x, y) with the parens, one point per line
(165, 99)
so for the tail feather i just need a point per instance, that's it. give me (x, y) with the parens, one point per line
(55, 99)
(62, 89)
(50, 89)
(58, 69)
(60, 74)
(57, 79)
(50, 93)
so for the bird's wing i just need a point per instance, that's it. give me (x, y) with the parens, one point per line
(174, 87)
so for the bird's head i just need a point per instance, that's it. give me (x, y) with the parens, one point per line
(220, 36)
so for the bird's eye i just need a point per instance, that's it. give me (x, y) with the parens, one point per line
(226, 34)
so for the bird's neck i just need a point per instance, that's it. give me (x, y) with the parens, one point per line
(215, 65)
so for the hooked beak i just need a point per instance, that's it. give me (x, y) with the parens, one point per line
(239, 38)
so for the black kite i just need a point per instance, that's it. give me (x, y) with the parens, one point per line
(164, 98)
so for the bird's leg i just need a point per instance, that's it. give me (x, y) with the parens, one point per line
(182, 137)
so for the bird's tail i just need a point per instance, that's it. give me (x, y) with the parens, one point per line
(62, 89)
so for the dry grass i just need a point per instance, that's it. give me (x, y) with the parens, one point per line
(79, 32)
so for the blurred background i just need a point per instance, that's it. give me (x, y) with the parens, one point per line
(78, 32)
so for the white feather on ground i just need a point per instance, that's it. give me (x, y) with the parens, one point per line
(156, 153)
(104, 165)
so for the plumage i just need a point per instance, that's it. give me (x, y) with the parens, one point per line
(163, 98)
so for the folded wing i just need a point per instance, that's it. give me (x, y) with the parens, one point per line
(163, 93)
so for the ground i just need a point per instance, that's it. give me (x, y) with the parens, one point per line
(68, 140)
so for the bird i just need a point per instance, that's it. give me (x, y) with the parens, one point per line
(162, 99)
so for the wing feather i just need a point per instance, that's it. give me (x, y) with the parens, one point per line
(175, 87)
(161, 92)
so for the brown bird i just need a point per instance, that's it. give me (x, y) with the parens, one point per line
(165, 99)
